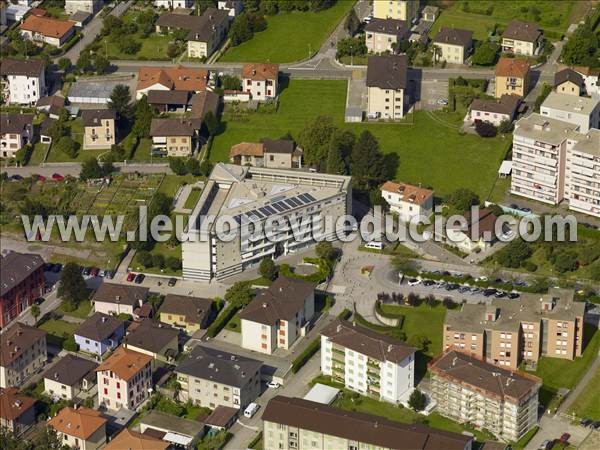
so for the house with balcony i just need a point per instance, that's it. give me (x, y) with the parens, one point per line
(453, 45)
(387, 84)
(522, 38)
(187, 313)
(161, 342)
(16, 131)
(512, 77)
(46, 30)
(581, 111)
(174, 137)
(17, 412)
(367, 362)
(79, 427)
(385, 35)
(407, 201)
(113, 298)
(582, 172)
(69, 377)
(23, 81)
(273, 154)
(495, 111)
(99, 131)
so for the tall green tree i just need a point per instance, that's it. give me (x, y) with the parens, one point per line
(143, 118)
(90, 169)
(368, 164)
(340, 148)
(211, 123)
(72, 287)
(240, 30)
(268, 269)
(582, 47)
(240, 293)
(315, 138)
(120, 101)
(352, 23)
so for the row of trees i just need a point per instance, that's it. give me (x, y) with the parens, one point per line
(158, 260)
(583, 46)
(184, 166)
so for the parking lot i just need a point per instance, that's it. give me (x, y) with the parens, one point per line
(432, 93)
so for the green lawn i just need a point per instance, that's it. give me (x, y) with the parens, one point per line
(82, 311)
(422, 156)
(234, 324)
(76, 133)
(39, 152)
(193, 198)
(58, 330)
(587, 404)
(171, 183)
(290, 36)
(142, 152)
(553, 16)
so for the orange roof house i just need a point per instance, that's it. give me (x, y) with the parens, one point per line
(512, 77)
(247, 149)
(414, 194)
(127, 439)
(178, 78)
(47, 26)
(80, 423)
(512, 67)
(125, 363)
(260, 72)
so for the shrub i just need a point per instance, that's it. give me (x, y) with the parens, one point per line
(70, 345)
(308, 353)
(222, 320)
(417, 400)
(530, 266)
(485, 129)
(173, 263)
(145, 258)
(158, 260)
(449, 303)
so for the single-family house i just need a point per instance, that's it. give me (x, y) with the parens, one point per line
(177, 431)
(112, 298)
(206, 37)
(51, 105)
(478, 234)
(45, 128)
(47, 30)
(387, 83)
(99, 128)
(581, 111)
(99, 333)
(453, 45)
(261, 80)
(16, 132)
(188, 313)
(591, 79)
(17, 412)
(385, 35)
(495, 111)
(278, 315)
(233, 7)
(512, 76)
(569, 82)
(522, 38)
(408, 201)
(80, 427)
(275, 154)
(124, 379)
(210, 377)
(71, 375)
(158, 341)
(23, 354)
(175, 137)
(23, 81)
(178, 78)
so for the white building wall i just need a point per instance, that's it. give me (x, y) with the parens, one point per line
(585, 121)
(112, 308)
(26, 90)
(252, 333)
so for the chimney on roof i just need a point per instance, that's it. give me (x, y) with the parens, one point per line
(338, 328)
(18, 403)
(104, 319)
(117, 297)
(389, 348)
(56, 375)
(454, 361)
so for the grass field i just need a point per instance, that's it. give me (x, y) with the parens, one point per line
(76, 133)
(193, 198)
(587, 404)
(39, 151)
(58, 330)
(553, 16)
(289, 36)
(422, 156)
(82, 311)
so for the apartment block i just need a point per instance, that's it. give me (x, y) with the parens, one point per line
(23, 82)
(366, 361)
(23, 354)
(581, 111)
(278, 315)
(300, 201)
(506, 333)
(453, 45)
(208, 33)
(124, 379)
(387, 82)
(88, 6)
(407, 10)
(298, 424)
(582, 175)
(407, 201)
(469, 390)
(98, 128)
(174, 137)
(17, 412)
(213, 378)
(385, 35)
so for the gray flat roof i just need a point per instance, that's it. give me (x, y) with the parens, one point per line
(93, 89)
(544, 129)
(589, 143)
(570, 103)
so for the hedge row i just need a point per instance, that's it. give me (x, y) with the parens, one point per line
(308, 353)
(222, 320)
(390, 315)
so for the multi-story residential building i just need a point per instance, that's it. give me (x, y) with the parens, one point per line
(539, 158)
(407, 201)
(469, 390)
(385, 35)
(17, 412)
(407, 10)
(16, 131)
(582, 173)
(173, 4)
(112, 298)
(22, 279)
(124, 379)
(158, 341)
(79, 427)
(211, 30)
(367, 362)
(188, 313)
(23, 354)
(512, 77)
(590, 78)
(47, 30)
(233, 7)
(71, 375)
(522, 38)
(99, 333)
(278, 315)
(453, 45)
(23, 81)
(300, 200)
(569, 82)
(506, 332)
(99, 128)
(88, 6)
(261, 80)
(387, 82)
(210, 378)
(128, 439)
(495, 111)
(174, 137)
(581, 111)
(273, 154)
(178, 78)
(294, 423)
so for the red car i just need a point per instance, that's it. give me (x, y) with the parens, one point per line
(57, 177)
(40, 177)
(130, 276)
(94, 271)
(565, 438)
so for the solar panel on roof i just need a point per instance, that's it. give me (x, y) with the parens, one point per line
(311, 198)
(284, 206)
(302, 199)
(264, 211)
(257, 214)
(290, 203)
(271, 210)
(238, 219)
(278, 207)
(295, 202)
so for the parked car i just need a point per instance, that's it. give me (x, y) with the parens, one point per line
(57, 177)
(130, 276)
(39, 300)
(16, 178)
(565, 438)
(464, 289)
(452, 287)
(57, 268)
(94, 271)
(48, 267)
(586, 422)
(172, 282)
(489, 292)
(414, 282)
(428, 282)
(39, 177)
(86, 271)
(526, 210)
(273, 384)
(596, 425)
(251, 409)
(101, 273)
(546, 445)
(440, 284)
(442, 101)
(109, 275)
(139, 278)
(513, 295)
(500, 294)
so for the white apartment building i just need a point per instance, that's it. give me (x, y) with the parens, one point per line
(172, 4)
(300, 200)
(581, 111)
(260, 80)
(16, 131)
(582, 180)
(385, 35)
(469, 390)
(235, 7)
(407, 201)
(539, 158)
(367, 362)
(387, 80)
(23, 82)
(88, 6)
(278, 316)
(124, 379)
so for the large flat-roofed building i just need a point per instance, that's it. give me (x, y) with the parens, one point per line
(294, 423)
(581, 111)
(300, 200)
(506, 332)
(366, 361)
(467, 389)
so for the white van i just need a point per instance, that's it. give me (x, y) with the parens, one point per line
(376, 245)
(251, 410)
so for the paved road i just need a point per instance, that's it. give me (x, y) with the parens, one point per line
(92, 30)
(73, 169)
